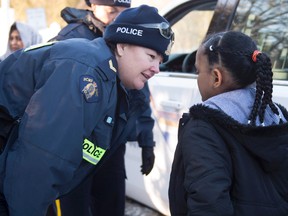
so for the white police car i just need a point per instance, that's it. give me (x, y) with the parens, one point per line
(174, 90)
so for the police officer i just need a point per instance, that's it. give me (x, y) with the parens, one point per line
(65, 99)
(90, 24)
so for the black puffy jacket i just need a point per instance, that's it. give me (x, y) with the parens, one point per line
(224, 168)
(61, 98)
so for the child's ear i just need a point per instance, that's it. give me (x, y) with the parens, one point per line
(217, 77)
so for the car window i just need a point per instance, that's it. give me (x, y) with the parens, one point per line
(191, 30)
(190, 22)
(267, 23)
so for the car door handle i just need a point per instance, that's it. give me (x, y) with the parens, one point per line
(176, 105)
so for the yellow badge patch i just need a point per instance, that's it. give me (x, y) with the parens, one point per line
(91, 152)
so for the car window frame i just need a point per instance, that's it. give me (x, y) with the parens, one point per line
(221, 15)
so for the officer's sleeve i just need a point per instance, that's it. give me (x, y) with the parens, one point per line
(145, 123)
(16, 81)
(49, 147)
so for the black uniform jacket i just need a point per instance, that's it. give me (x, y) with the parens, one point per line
(224, 168)
(81, 24)
(64, 96)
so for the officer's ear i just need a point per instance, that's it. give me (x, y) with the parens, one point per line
(120, 49)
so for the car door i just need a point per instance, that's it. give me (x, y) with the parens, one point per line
(173, 91)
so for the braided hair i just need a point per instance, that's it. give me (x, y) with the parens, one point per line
(238, 53)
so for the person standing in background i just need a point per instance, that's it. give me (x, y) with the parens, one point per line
(21, 36)
(91, 24)
(231, 157)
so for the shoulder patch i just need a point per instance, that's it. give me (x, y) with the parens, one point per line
(89, 88)
(112, 66)
(36, 46)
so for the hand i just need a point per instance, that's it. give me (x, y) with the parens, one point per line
(148, 158)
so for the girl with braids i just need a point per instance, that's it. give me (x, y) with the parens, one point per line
(232, 152)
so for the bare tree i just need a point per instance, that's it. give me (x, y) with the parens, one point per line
(266, 22)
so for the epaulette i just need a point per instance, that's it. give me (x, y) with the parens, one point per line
(36, 46)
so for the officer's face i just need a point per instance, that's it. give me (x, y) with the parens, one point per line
(106, 14)
(136, 65)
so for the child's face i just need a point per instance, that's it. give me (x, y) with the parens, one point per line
(136, 65)
(212, 79)
(205, 78)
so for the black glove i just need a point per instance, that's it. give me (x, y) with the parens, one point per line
(148, 158)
